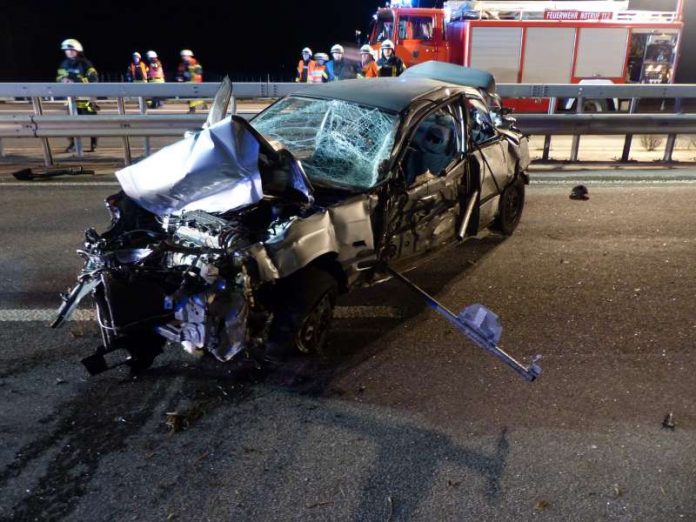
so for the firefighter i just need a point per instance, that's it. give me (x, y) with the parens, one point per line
(369, 65)
(190, 70)
(339, 68)
(155, 74)
(304, 66)
(319, 74)
(389, 64)
(78, 69)
(137, 70)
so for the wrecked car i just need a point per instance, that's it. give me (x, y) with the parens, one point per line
(240, 237)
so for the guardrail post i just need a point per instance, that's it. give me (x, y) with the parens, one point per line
(143, 110)
(669, 147)
(38, 111)
(72, 109)
(126, 142)
(625, 155)
(575, 145)
(547, 138)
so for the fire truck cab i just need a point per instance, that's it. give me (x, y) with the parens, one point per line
(591, 41)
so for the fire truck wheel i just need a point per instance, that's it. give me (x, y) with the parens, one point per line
(594, 106)
(510, 207)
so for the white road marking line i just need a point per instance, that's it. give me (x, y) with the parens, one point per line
(82, 314)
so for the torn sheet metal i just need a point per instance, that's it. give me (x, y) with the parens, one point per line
(214, 170)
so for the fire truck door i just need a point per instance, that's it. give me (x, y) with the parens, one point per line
(419, 38)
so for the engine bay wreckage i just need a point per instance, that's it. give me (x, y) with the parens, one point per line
(240, 237)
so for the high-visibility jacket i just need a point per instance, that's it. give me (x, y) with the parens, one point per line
(78, 70)
(137, 72)
(392, 66)
(318, 74)
(155, 72)
(189, 72)
(303, 69)
(370, 70)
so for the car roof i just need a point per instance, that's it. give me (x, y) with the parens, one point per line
(452, 73)
(390, 94)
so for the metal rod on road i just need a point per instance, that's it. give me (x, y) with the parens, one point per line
(72, 109)
(143, 110)
(38, 111)
(547, 138)
(126, 142)
(625, 155)
(575, 145)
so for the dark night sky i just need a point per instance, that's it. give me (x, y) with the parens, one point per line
(246, 39)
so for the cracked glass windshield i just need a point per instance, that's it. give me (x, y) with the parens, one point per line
(339, 143)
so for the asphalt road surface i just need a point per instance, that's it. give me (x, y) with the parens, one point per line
(403, 419)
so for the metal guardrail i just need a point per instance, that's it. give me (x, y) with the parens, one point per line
(145, 125)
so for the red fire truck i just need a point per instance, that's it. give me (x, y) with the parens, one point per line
(592, 41)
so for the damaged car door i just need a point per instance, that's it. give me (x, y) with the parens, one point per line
(434, 172)
(490, 154)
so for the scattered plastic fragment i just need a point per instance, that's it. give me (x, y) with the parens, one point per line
(668, 423)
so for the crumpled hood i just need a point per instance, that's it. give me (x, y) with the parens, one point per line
(214, 170)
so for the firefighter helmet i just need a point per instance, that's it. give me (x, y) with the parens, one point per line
(71, 44)
(321, 56)
(136, 54)
(307, 50)
(338, 48)
(366, 49)
(387, 44)
(186, 52)
(151, 54)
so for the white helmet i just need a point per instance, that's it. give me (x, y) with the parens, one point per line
(321, 56)
(366, 49)
(388, 44)
(71, 44)
(136, 53)
(338, 48)
(186, 52)
(307, 50)
(151, 54)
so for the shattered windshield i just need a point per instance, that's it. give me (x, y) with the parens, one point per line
(339, 143)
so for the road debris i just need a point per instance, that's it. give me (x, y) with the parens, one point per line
(318, 504)
(579, 192)
(668, 422)
(616, 491)
(390, 508)
(175, 421)
(541, 505)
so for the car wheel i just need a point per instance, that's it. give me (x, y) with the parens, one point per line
(142, 347)
(302, 313)
(510, 207)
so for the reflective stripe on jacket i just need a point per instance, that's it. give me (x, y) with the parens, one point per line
(189, 72)
(155, 73)
(137, 72)
(303, 70)
(318, 74)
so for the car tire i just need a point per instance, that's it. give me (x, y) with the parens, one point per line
(142, 347)
(510, 207)
(302, 313)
